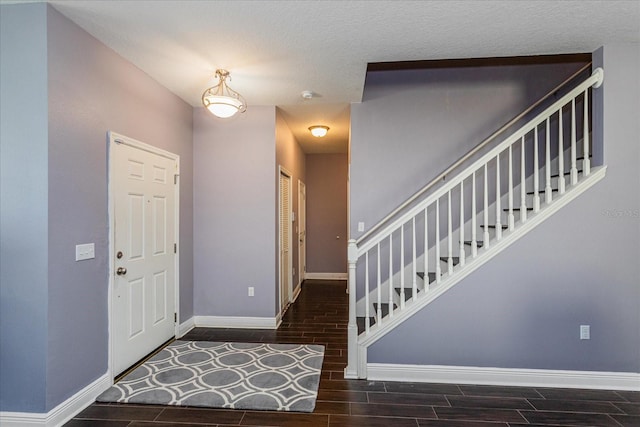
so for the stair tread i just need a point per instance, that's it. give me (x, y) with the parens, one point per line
(432, 276)
(479, 243)
(553, 190)
(408, 292)
(504, 227)
(386, 304)
(360, 322)
(455, 259)
(384, 307)
(564, 174)
(517, 209)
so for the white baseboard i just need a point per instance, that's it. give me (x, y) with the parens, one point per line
(296, 293)
(236, 322)
(504, 377)
(61, 413)
(326, 276)
(185, 327)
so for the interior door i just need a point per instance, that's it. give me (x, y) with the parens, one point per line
(302, 230)
(285, 239)
(144, 209)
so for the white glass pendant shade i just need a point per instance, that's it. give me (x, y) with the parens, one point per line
(221, 100)
(223, 106)
(319, 131)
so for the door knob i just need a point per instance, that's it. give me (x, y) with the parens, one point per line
(121, 271)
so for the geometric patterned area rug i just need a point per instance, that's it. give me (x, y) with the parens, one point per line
(249, 376)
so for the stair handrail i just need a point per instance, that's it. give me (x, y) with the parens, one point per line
(594, 80)
(468, 155)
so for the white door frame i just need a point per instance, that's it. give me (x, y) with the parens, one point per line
(285, 172)
(114, 140)
(302, 213)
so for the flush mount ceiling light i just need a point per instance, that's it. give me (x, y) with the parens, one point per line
(221, 100)
(319, 131)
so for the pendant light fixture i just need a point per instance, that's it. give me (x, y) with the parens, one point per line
(319, 131)
(221, 100)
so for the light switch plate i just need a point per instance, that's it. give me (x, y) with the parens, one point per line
(361, 226)
(85, 251)
(585, 332)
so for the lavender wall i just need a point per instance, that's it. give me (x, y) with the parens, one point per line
(234, 214)
(413, 124)
(81, 71)
(23, 217)
(289, 155)
(327, 213)
(524, 308)
(90, 90)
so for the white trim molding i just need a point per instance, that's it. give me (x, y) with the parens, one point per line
(185, 327)
(61, 413)
(504, 376)
(236, 322)
(116, 139)
(296, 293)
(326, 276)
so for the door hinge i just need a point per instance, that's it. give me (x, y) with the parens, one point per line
(175, 178)
(175, 317)
(175, 248)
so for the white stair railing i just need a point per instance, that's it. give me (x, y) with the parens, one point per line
(430, 231)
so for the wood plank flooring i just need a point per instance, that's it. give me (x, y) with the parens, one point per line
(319, 316)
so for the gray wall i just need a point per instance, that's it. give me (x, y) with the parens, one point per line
(327, 213)
(90, 90)
(23, 197)
(413, 124)
(524, 308)
(234, 213)
(289, 155)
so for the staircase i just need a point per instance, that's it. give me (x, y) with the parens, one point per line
(468, 219)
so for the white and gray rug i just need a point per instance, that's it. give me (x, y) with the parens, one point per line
(250, 376)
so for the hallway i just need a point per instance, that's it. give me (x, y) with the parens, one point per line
(319, 316)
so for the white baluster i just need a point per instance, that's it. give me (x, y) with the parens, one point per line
(438, 267)
(474, 239)
(574, 168)
(586, 163)
(449, 235)
(536, 170)
(366, 292)
(462, 254)
(402, 266)
(547, 168)
(414, 276)
(498, 201)
(426, 250)
(511, 219)
(391, 273)
(561, 183)
(523, 184)
(485, 234)
(379, 290)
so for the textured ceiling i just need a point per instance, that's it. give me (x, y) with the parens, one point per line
(276, 49)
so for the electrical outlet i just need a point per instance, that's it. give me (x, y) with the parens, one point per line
(585, 332)
(251, 291)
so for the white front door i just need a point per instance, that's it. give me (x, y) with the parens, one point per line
(285, 239)
(302, 230)
(143, 194)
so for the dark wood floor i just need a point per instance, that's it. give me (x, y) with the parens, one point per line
(320, 316)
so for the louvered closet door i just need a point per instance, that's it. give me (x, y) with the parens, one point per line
(285, 238)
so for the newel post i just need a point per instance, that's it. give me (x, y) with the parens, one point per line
(351, 371)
